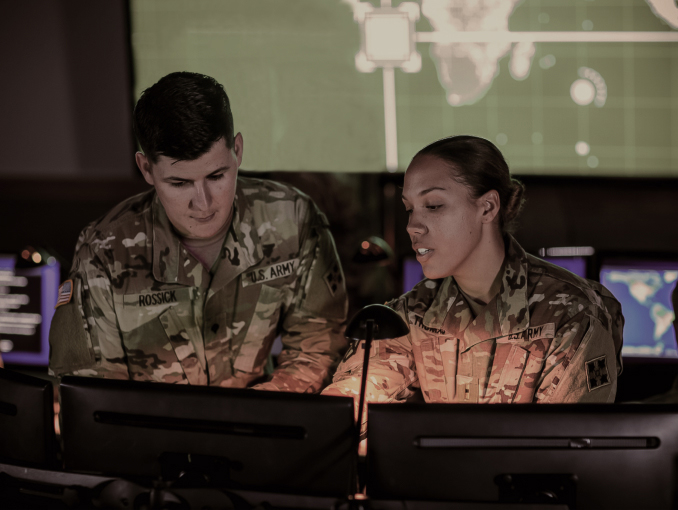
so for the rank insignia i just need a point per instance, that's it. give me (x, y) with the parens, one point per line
(333, 278)
(596, 373)
(65, 293)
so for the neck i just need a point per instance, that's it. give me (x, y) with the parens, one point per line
(206, 241)
(478, 277)
(199, 242)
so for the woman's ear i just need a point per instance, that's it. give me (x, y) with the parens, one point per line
(489, 204)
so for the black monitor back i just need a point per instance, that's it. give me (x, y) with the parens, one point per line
(26, 420)
(587, 456)
(237, 438)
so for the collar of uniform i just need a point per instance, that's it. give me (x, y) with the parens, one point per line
(166, 246)
(448, 293)
(512, 305)
(242, 248)
(506, 314)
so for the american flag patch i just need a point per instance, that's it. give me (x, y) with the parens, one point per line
(65, 293)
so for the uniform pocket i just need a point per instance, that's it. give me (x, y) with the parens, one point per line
(183, 339)
(433, 382)
(261, 330)
(509, 380)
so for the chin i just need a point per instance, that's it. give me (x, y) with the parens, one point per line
(434, 274)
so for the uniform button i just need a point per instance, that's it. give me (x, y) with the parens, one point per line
(215, 328)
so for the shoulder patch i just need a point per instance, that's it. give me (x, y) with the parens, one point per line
(597, 375)
(65, 293)
(333, 278)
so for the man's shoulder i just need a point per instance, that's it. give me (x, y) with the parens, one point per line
(130, 218)
(266, 191)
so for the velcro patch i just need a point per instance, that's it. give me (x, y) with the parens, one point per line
(333, 278)
(597, 375)
(65, 293)
(268, 273)
(543, 331)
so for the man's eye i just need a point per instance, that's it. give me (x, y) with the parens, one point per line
(215, 177)
(179, 184)
(432, 207)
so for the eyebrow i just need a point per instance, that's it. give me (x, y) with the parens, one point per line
(172, 178)
(427, 190)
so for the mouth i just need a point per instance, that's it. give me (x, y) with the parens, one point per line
(204, 219)
(423, 253)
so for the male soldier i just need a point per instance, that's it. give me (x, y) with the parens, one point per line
(192, 281)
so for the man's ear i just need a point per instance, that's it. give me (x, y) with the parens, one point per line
(145, 166)
(489, 204)
(238, 148)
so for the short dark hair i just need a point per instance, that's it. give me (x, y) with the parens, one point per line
(480, 166)
(181, 117)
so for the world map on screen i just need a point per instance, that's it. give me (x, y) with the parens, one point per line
(645, 296)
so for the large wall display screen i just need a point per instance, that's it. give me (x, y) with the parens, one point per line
(565, 87)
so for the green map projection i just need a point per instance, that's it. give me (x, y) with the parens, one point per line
(554, 106)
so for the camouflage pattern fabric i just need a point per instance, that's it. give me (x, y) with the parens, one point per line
(151, 312)
(548, 336)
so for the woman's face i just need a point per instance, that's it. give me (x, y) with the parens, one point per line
(445, 223)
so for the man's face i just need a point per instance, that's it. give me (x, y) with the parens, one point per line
(197, 194)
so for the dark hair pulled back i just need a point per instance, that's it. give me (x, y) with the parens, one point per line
(480, 166)
(181, 116)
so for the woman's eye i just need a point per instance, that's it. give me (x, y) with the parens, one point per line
(432, 207)
(408, 211)
(177, 184)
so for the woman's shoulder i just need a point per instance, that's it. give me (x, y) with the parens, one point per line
(558, 285)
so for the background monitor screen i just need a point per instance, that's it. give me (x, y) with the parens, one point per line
(238, 438)
(585, 456)
(563, 88)
(644, 290)
(27, 300)
(412, 273)
(576, 265)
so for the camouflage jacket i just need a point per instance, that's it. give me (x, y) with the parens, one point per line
(548, 336)
(143, 308)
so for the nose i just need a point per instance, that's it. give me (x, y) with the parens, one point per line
(415, 226)
(202, 199)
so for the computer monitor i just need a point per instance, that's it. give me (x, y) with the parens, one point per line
(27, 300)
(576, 265)
(237, 438)
(595, 456)
(26, 420)
(644, 287)
(412, 273)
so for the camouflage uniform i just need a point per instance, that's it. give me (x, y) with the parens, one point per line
(144, 308)
(548, 336)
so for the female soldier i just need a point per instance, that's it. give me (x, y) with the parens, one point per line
(490, 323)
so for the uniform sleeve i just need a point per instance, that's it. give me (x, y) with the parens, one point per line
(581, 364)
(313, 323)
(84, 336)
(391, 371)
